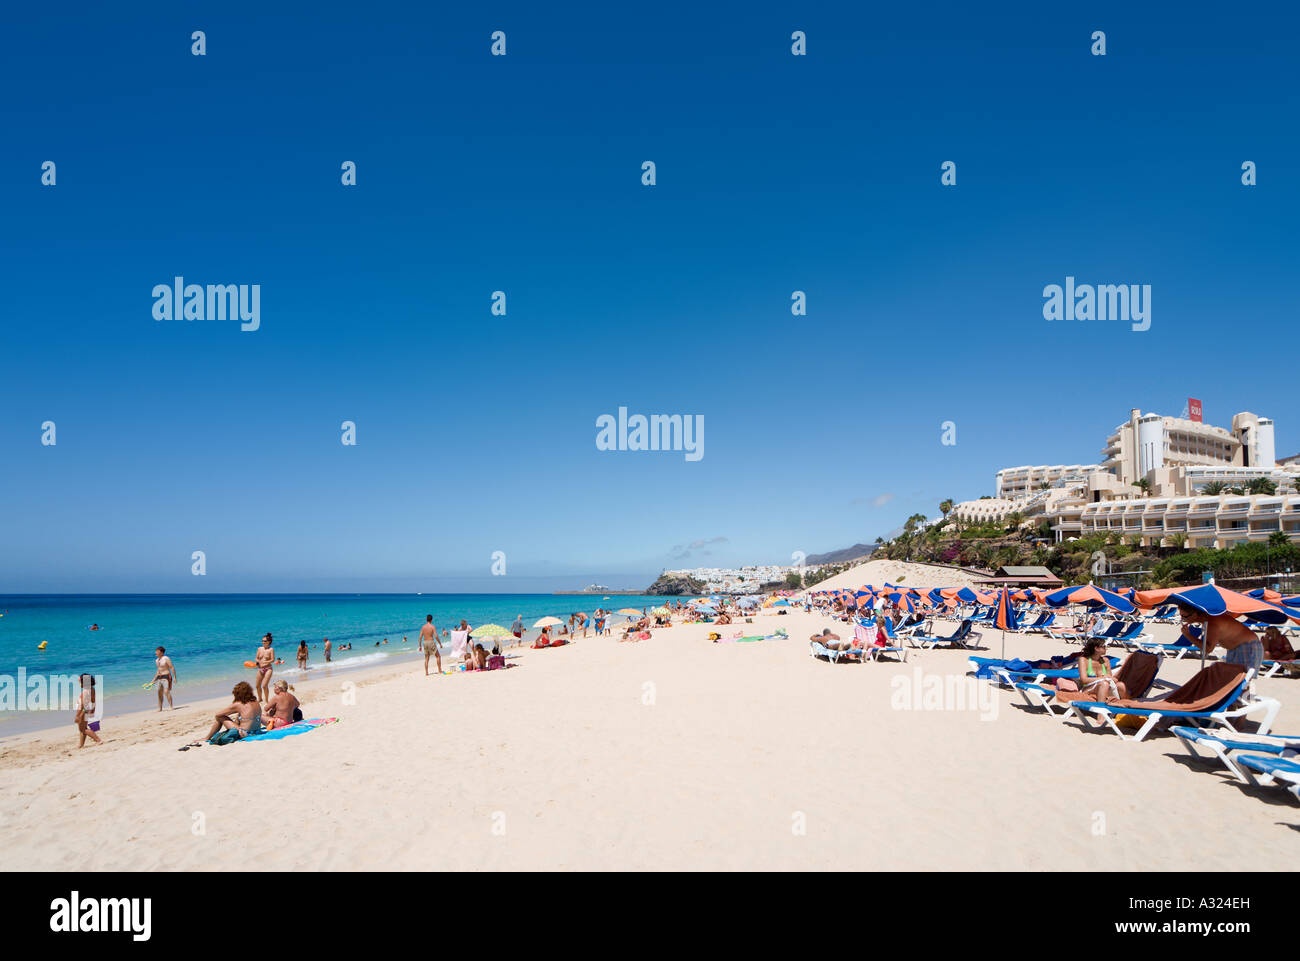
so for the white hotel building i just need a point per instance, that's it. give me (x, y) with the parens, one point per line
(1175, 458)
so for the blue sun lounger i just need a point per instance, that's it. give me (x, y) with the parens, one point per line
(959, 638)
(1223, 745)
(1221, 712)
(1271, 770)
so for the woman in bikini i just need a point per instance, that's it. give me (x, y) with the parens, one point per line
(1095, 679)
(302, 654)
(265, 667)
(244, 715)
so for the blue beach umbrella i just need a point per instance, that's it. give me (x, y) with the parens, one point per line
(1093, 597)
(1005, 617)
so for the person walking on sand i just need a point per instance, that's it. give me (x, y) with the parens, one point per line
(85, 711)
(164, 676)
(517, 629)
(429, 644)
(265, 667)
(329, 648)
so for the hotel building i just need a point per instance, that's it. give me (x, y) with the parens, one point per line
(1174, 459)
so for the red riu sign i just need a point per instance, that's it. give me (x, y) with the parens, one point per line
(1194, 409)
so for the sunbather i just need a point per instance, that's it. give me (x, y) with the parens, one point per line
(1277, 647)
(281, 707)
(243, 715)
(1095, 679)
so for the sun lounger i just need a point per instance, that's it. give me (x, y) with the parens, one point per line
(1274, 668)
(963, 637)
(1271, 770)
(1224, 745)
(1163, 615)
(1208, 698)
(868, 643)
(1138, 673)
(1010, 676)
(1045, 620)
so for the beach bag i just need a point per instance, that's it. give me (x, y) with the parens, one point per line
(229, 736)
(1130, 722)
(297, 714)
(495, 662)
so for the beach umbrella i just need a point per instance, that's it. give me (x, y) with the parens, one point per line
(1005, 617)
(1264, 594)
(1093, 597)
(629, 612)
(548, 622)
(660, 610)
(1155, 597)
(489, 630)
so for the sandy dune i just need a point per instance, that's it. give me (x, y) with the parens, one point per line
(923, 576)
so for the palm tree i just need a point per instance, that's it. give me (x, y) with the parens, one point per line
(1143, 484)
(1261, 485)
(945, 506)
(1214, 488)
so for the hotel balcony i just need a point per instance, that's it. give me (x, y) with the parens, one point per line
(1234, 508)
(1203, 508)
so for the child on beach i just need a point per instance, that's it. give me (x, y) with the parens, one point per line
(86, 710)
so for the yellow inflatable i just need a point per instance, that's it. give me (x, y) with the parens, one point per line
(250, 664)
(41, 646)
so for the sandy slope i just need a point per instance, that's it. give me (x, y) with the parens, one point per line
(671, 753)
(880, 572)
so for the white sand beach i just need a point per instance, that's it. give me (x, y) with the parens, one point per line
(671, 753)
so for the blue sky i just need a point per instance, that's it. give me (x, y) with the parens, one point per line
(478, 173)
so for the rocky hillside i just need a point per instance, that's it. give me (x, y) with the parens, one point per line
(675, 584)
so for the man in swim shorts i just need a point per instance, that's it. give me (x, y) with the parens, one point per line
(265, 668)
(429, 644)
(1224, 631)
(329, 648)
(164, 676)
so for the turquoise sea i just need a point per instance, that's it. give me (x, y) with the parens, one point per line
(209, 636)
